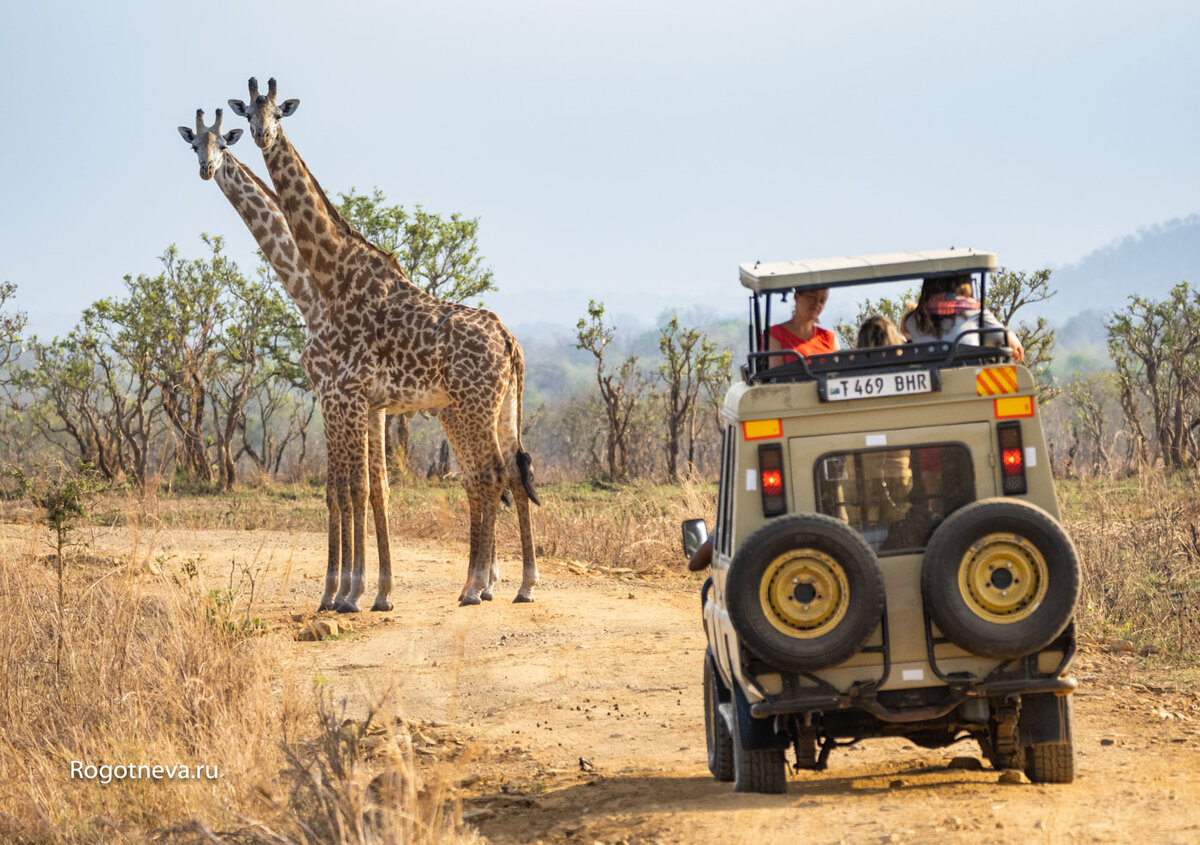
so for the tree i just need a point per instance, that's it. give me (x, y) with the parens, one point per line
(620, 387)
(12, 326)
(1090, 399)
(689, 361)
(1155, 347)
(1008, 293)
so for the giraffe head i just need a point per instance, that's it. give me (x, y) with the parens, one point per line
(263, 112)
(209, 143)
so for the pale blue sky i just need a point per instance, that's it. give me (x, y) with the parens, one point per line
(632, 152)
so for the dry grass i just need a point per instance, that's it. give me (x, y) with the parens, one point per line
(160, 674)
(1139, 544)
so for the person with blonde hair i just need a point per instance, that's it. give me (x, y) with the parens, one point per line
(878, 330)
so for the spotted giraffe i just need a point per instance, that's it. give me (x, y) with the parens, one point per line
(401, 349)
(258, 207)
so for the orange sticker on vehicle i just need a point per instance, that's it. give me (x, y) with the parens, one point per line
(996, 380)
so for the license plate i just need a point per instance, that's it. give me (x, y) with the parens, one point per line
(871, 387)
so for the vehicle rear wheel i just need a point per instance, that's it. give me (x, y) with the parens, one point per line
(1000, 578)
(720, 739)
(1053, 762)
(756, 770)
(805, 592)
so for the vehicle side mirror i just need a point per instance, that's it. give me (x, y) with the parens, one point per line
(695, 532)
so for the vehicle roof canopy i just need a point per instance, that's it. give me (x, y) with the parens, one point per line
(861, 269)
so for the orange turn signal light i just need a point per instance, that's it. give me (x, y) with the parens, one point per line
(762, 429)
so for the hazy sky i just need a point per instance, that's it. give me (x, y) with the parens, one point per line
(632, 152)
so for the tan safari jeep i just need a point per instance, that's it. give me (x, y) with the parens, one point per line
(887, 556)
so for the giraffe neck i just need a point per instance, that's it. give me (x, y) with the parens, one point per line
(326, 241)
(259, 210)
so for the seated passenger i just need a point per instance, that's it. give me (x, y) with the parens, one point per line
(947, 308)
(802, 333)
(878, 331)
(887, 474)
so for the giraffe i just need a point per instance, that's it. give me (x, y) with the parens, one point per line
(258, 207)
(405, 350)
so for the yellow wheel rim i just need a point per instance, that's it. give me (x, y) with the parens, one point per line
(804, 593)
(1003, 578)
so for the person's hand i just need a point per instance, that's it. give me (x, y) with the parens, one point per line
(1017, 348)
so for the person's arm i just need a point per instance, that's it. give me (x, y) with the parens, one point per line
(988, 321)
(773, 345)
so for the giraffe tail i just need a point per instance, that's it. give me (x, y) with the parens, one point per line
(524, 461)
(525, 467)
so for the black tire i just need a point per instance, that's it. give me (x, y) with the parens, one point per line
(1000, 578)
(1053, 762)
(831, 612)
(759, 770)
(716, 731)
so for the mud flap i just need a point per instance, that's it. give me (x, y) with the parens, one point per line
(755, 734)
(1045, 718)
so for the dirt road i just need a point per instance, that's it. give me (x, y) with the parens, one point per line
(578, 718)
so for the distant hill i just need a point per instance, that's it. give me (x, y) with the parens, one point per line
(1148, 262)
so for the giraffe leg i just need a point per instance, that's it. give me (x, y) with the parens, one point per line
(338, 421)
(378, 480)
(529, 571)
(483, 553)
(335, 532)
(509, 435)
(332, 595)
(455, 429)
(356, 471)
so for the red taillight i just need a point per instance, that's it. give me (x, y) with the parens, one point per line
(772, 482)
(770, 479)
(1012, 458)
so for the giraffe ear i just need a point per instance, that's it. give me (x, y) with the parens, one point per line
(188, 134)
(289, 107)
(232, 135)
(237, 107)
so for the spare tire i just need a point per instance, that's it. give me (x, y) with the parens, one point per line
(1000, 578)
(804, 592)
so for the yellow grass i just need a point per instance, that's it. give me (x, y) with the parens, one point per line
(159, 674)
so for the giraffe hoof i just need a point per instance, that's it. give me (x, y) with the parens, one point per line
(468, 600)
(347, 607)
(325, 605)
(486, 595)
(522, 599)
(381, 604)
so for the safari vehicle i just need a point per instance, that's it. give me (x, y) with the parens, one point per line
(887, 556)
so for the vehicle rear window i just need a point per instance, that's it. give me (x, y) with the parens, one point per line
(895, 497)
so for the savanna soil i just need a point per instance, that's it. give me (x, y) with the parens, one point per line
(579, 717)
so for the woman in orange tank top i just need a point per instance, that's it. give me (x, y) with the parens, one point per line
(802, 333)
